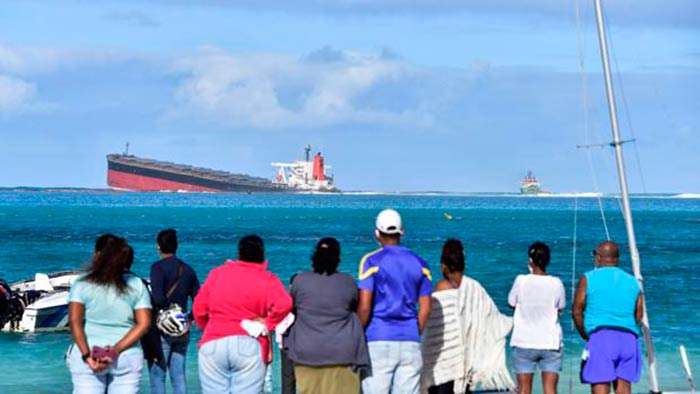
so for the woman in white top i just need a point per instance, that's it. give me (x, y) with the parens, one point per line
(538, 299)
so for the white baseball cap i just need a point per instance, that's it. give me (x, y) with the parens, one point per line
(389, 222)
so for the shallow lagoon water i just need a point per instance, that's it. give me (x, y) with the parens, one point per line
(45, 232)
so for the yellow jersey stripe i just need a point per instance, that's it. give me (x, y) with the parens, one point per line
(426, 272)
(369, 273)
(362, 274)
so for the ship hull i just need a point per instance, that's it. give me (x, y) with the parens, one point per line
(126, 181)
(531, 189)
(128, 174)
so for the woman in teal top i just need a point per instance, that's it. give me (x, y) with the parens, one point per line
(108, 308)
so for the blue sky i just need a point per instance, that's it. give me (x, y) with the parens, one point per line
(399, 94)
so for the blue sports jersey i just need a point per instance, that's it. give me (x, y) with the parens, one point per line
(397, 277)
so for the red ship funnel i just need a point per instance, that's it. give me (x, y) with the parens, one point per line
(319, 172)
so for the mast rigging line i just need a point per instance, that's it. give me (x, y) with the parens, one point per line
(586, 128)
(609, 144)
(573, 286)
(625, 107)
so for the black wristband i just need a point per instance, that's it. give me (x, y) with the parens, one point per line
(85, 357)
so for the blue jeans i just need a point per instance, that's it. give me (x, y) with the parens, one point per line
(231, 365)
(174, 351)
(121, 378)
(527, 361)
(396, 368)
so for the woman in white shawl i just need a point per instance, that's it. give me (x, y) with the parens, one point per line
(465, 337)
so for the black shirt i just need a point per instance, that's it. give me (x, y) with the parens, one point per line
(164, 276)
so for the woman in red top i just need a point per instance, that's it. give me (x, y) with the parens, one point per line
(239, 294)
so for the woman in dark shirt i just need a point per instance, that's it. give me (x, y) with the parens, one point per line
(326, 343)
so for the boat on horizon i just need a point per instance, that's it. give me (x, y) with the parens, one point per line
(530, 185)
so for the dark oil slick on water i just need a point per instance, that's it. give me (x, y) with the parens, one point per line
(54, 231)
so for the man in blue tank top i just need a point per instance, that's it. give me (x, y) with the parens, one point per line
(607, 311)
(395, 287)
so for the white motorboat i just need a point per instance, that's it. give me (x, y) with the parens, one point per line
(39, 304)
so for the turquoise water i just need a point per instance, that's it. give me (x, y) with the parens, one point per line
(48, 232)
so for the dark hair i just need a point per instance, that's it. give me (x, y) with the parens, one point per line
(326, 257)
(251, 249)
(167, 241)
(539, 253)
(109, 266)
(101, 241)
(395, 237)
(453, 255)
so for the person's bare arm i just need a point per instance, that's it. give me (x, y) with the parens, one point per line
(639, 308)
(442, 285)
(364, 307)
(143, 324)
(424, 306)
(579, 306)
(76, 318)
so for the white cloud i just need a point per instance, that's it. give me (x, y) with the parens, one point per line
(273, 91)
(21, 64)
(32, 60)
(135, 18)
(15, 93)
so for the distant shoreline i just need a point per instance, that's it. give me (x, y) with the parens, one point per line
(24, 189)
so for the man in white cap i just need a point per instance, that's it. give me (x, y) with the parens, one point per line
(395, 287)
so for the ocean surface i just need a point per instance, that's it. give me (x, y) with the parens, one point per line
(46, 232)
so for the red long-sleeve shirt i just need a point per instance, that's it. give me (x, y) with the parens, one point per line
(237, 291)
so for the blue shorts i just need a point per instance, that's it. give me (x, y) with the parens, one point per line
(612, 355)
(529, 360)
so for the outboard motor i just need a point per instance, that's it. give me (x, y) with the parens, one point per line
(5, 299)
(12, 304)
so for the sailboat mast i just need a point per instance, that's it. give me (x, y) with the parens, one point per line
(626, 211)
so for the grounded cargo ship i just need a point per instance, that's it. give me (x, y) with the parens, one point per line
(132, 173)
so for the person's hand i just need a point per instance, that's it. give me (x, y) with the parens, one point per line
(113, 354)
(97, 365)
(270, 354)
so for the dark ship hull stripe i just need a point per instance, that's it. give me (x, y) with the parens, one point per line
(193, 180)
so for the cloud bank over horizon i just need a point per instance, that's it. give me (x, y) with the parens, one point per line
(269, 91)
(465, 123)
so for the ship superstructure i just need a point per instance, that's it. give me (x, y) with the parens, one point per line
(305, 175)
(530, 184)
